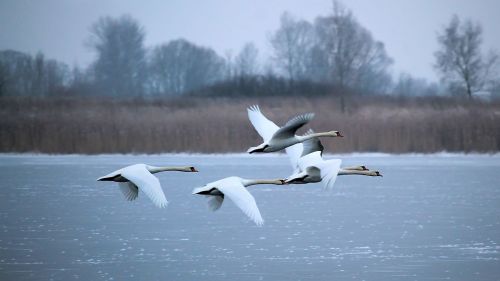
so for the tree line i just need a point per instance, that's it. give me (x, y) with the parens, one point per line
(332, 54)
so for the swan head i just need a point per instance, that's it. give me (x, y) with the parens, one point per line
(188, 169)
(374, 174)
(256, 149)
(336, 134)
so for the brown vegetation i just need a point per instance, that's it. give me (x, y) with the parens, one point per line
(220, 124)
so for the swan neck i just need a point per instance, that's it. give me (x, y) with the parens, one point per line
(153, 169)
(315, 135)
(356, 168)
(344, 172)
(261, 181)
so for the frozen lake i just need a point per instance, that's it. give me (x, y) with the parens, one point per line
(428, 218)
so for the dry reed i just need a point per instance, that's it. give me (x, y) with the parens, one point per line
(207, 125)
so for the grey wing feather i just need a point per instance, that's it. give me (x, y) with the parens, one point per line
(311, 145)
(129, 190)
(215, 202)
(293, 125)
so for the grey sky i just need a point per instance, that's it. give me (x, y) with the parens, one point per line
(59, 28)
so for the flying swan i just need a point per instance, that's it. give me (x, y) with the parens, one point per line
(276, 138)
(311, 167)
(234, 189)
(139, 176)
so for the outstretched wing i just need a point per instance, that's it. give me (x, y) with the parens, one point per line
(129, 190)
(147, 183)
(292, 126)
(329, 172)
(265, 127)
(243, 199)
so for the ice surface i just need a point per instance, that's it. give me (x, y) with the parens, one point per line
(430, 217)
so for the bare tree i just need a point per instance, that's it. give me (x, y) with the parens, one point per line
(347, 54)
(120, 66)
(246, 61)
(180, 66)
(24, 75)
(459, 59)
(292, 44)
(407, 85)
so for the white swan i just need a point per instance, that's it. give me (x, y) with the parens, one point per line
(139, 176)
(234, 188)
(276, 138)
(311, 167)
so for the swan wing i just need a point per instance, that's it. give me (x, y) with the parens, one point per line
(312, 145)
(243, 199)
(147, 183)
(129, 190)
(311, 159)
(288, 131)
(294, 153)
(329, 172)
(265, 127)
(215, 202)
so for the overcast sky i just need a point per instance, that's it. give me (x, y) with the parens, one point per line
(59, 28)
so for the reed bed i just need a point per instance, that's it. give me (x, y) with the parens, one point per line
(212, 125)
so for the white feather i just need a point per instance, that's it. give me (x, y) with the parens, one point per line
(146, 182)
(233, 188)
(264, 127)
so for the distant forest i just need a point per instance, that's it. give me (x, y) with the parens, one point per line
(332, 55)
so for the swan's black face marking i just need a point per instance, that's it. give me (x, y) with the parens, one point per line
(364, 168)
(193, 169)
(378, 174)
(339, 135)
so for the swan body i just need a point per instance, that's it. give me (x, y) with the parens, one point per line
(234, 189)
(140, 176)
(276, 138)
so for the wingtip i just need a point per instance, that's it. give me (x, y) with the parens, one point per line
(196, 190)
(254, 107)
